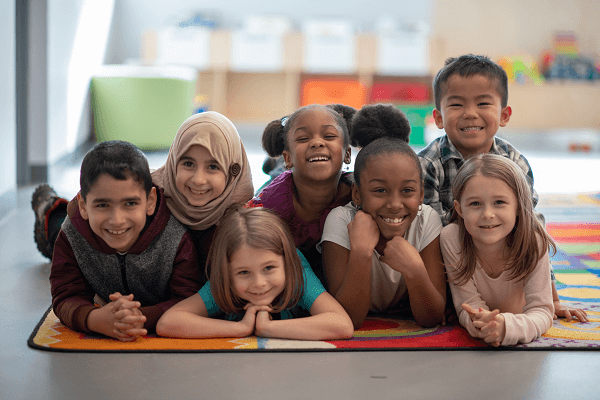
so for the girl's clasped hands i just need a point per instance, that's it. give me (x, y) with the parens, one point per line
(490, 324)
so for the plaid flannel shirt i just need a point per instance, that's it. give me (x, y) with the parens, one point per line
(441, 161)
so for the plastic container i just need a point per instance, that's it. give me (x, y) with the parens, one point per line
(399, 92)
(348, 92)
(417, 117)
(142, 105)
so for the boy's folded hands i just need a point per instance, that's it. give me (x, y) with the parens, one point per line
(129, 321)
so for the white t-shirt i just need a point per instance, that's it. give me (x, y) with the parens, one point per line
(387, 285)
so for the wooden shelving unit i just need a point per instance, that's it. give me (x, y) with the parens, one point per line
(264, 96)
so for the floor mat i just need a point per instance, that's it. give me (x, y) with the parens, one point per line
(577, 270)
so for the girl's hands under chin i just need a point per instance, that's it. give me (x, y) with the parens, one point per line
(401, 256)
(363, 232)
(249, 322)
(263, 321)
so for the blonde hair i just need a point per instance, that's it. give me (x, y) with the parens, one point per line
(258, 228)
(522, 241)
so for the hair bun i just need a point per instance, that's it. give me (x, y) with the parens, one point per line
(376, 121)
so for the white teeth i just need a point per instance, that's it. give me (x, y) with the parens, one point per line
(393, 220)
(117, 232)
(198, 192)
(318, 158)
(471, 128)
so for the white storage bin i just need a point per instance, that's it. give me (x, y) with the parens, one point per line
(329, 47)
(258, 46)
(184, 46)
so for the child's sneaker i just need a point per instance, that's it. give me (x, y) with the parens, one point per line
(44, 201)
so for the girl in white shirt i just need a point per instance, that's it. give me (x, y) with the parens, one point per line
(384, 246)
(496, 254)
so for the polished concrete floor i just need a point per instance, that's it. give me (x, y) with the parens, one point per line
(32, 374)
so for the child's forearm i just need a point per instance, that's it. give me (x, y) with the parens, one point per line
(183, 324)
(426, 303)
(555, 297)
(325, 326)
(355, 292)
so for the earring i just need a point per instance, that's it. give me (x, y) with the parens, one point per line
(420, 207)
(358, 207)
(288, 166)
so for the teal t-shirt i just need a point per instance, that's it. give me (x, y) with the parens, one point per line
(312, 289)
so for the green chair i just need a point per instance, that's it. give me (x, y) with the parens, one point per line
(142, 105)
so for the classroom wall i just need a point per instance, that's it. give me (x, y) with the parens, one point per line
(499, 28)
(78, 34)
(8, 129)
(512, 27)
(63, 18)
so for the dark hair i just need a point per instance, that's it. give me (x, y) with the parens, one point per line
(468, 65)
(258, 228)
(275, 135)
(380, 129)
(119, 159)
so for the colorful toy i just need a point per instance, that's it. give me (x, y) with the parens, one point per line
(566, 44)
(521, 69)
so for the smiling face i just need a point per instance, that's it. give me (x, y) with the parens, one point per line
(488, 207)
(316, 147)
(258, 276)
(199, 177)
(391, 192)
(116, 210)
(471, 113)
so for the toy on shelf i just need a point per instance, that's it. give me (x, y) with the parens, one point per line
(564, 67)
(521, 69)
(565, 62)
(566, 44)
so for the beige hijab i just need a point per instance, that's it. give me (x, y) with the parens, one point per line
(215, 132)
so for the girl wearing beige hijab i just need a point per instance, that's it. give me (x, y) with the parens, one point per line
(206, 171)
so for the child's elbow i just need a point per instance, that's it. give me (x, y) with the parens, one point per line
(342, 328)
(347, 332)
(163, 327)
(430, 321)
(347, 328)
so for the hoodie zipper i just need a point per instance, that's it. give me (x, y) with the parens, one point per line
(123, 272)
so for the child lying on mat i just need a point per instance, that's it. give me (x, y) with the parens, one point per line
(382, 248)
(496, 254)
(259, 284)
(121, 248)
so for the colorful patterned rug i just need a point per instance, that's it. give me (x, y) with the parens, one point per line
(576, 266)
